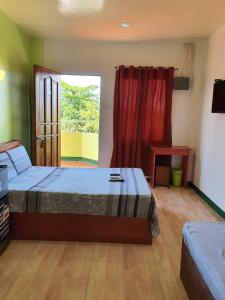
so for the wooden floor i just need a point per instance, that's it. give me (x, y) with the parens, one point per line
(65, 270)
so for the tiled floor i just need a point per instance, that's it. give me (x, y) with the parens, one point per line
(76, 164)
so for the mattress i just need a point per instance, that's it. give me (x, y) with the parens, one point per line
(83, 191)
(206, 244)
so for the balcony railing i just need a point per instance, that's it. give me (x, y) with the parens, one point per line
(77, 144)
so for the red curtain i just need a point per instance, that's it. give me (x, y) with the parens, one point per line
(142, 114)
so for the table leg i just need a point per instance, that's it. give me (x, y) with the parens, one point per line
(185, 164)
(152, 169)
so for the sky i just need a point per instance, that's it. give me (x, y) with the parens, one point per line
(80, 80)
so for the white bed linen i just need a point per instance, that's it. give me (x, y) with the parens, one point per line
(206, 244)
(29, 178)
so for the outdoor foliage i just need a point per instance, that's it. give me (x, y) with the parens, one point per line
(80, 108)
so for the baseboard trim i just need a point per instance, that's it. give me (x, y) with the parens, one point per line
(216, 208)
(83, 159)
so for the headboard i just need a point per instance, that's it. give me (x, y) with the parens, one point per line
(9, 145)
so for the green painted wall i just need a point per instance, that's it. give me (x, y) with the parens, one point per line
(35, 47)
(35, 51)
(18, 52)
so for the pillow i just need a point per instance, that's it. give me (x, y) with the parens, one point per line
(5, 160)
(20, 159)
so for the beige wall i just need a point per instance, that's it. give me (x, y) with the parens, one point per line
(99, 58)
(210, 157)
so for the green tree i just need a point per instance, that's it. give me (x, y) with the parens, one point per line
(80, 108)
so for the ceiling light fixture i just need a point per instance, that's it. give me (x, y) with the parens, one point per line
(125, 25)
(74, 7)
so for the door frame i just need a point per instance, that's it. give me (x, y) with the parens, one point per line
(100, 102)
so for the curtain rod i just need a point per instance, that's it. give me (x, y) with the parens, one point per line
(117, 67)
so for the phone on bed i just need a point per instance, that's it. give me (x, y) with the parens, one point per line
(116, 180)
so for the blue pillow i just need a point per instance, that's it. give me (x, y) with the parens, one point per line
(20, 159)
(5, 160)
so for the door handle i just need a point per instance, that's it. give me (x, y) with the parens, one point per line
(41, 141)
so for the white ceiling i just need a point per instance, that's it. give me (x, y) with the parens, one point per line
(100, 19)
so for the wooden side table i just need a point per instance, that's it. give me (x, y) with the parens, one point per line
(170, 151)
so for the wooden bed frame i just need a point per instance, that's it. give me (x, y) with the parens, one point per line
(193, 282)
(76, 227)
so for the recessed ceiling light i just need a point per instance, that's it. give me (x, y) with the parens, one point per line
(124, 24)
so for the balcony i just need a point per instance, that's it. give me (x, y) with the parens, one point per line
(78, 149)
(80, 108)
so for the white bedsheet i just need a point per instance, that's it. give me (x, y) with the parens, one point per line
(95, 182)
(29, 178)
(206, 244)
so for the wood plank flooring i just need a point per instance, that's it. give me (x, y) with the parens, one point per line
(93, 271)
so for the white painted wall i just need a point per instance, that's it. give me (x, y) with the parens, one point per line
(210, 155)
(99, 58)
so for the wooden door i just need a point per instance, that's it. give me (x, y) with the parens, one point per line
(46, 117)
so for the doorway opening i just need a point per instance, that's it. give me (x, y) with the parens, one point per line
(80, 112)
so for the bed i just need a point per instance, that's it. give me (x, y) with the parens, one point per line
(203, 260)
(48, 203)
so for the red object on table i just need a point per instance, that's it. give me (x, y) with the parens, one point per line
(170, 151)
